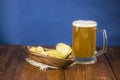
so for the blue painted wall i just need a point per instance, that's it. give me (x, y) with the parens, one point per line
(47, 22)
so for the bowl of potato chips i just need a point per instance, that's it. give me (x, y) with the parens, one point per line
(61, 56)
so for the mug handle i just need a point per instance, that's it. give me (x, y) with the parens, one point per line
(104, 49)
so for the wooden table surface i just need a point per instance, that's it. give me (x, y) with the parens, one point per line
(13, 66)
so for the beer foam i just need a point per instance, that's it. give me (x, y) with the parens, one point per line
(84, 23)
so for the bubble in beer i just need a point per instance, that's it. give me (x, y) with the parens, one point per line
(84, 23)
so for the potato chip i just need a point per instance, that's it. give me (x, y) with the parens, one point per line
(64, 49)
(54, 53)
(38, 50)
(33, 49)
(44, 53)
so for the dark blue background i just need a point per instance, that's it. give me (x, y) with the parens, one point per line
(47, 22)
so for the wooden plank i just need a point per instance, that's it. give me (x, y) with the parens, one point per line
(99, 71)
(14, 67)
(113, 56)
(8, 61)
(28, 72)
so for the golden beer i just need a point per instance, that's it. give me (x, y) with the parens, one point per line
(84, 41)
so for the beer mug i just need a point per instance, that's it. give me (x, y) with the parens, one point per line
(84, 41)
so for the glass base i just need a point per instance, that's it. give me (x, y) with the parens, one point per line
(86, 61)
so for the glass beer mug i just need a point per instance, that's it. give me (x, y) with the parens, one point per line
(84, 41)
